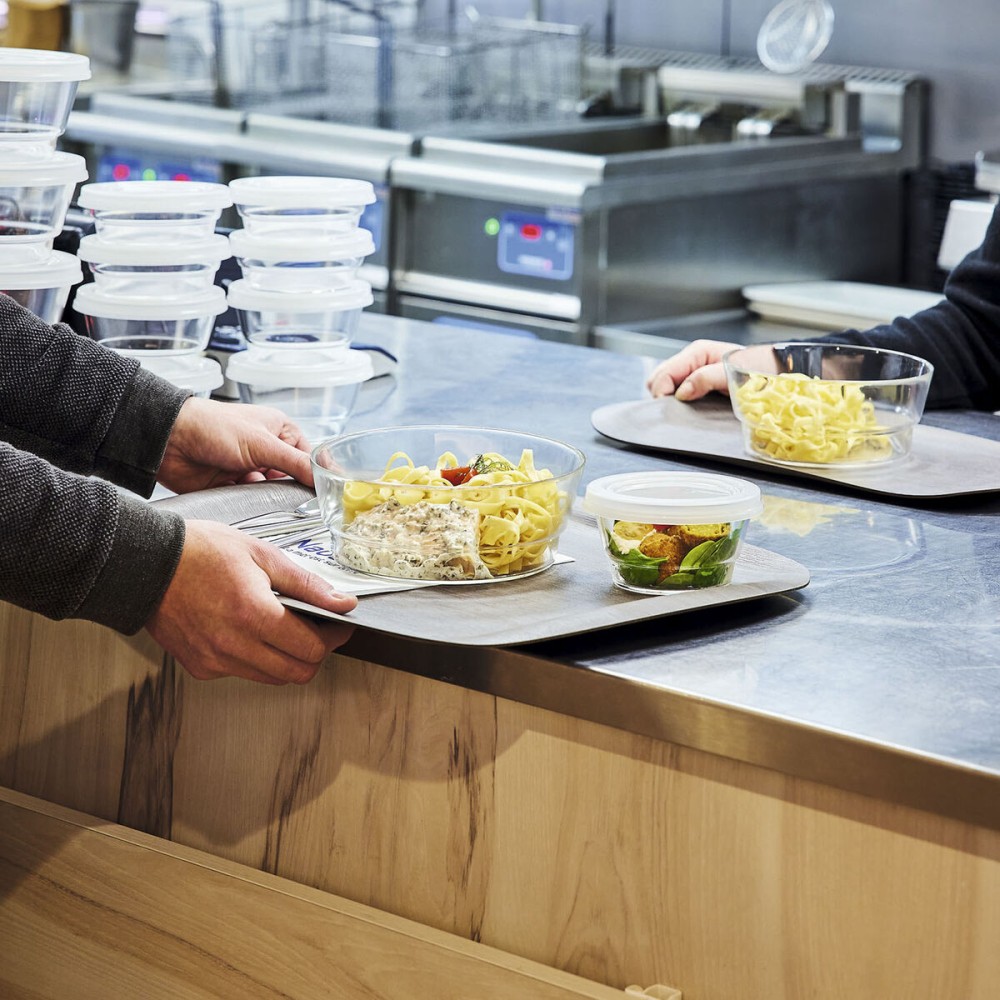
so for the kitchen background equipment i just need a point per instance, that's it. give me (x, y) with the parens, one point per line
(581, 229)
(745, 177)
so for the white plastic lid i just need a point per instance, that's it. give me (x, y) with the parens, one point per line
(355, 295)
(155, 196)
(301, 192)
(58, 270)
(186, 371)
(42, 66)
(336, 246)
(310, 369)
(91, 301)
(208, 249)
(794, 34)
(673, 498)
(32, 170)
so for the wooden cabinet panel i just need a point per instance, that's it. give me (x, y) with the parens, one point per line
(614, 857)
(92, 910)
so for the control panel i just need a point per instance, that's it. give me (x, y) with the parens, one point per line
(533, 244)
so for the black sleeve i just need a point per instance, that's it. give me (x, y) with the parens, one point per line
(79, 405)
(960, 336)
(73, 547)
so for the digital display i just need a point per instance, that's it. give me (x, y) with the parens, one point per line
(535, 245)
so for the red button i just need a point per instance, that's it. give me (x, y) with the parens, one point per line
(531, 231)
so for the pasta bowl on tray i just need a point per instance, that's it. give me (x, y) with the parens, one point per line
(821, 404)
(451, 504)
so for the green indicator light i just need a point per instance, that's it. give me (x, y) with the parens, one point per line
(149, 174)
(492, 227)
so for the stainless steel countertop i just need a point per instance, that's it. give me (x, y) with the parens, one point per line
(882, 676)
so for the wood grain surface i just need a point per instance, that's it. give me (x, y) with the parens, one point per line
(89, 909)
(611, 856)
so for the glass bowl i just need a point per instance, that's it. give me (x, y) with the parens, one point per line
(301, 264)
(297, 205)
(194, 373)
(821, 404)
(155, 270)
(317, 388)
(447, 503)
(42, 287)
(666, 531)
(300, 320)
(37, 88)
(35, 193)
(143, 211)
(178, 325)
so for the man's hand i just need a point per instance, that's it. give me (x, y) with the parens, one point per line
(693, 372)
(218, 444)
(220, 618)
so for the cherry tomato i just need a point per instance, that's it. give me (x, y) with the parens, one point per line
(457, 476)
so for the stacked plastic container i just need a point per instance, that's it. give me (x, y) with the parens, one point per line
(300, 299)
(37, 182)
(154, 257)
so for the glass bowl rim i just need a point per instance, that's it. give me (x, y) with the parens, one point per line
(579, 457)
(731, 367)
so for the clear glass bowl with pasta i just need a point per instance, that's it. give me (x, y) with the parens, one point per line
(822, 404)
(451, 504)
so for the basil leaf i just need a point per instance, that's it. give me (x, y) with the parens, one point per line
(699, 555)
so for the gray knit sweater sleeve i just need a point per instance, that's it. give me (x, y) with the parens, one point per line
(71, 546)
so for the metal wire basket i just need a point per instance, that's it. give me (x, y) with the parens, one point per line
(336, 60)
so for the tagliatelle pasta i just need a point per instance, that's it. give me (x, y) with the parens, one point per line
(520, 507)
(795, 418)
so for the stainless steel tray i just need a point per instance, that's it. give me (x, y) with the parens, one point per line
(567, 599)
(941, 464)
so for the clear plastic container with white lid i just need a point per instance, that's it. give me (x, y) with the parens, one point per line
(177, 324)
(141, 211)
(318, 389)
(300, 319)
(302, 263)
(154, 269)
(42, 286)
(37, 88)
(193, 373)
(35, 192)
(666, 531)
(293, 204)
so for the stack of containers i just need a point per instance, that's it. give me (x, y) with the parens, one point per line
(300, 298)
(154, 256)
(37, 182)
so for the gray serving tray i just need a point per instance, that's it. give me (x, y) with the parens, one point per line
(567, 599)
(941, 463)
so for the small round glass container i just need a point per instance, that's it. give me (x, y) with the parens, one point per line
(300, 320)
(42, 286)
(665, 531)
(298, 205)
(178, 325)
(146, 211)
(37, 88)
(193, 373)
(318, 388)
(303, 264)
(35, 192)
(154, 269)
